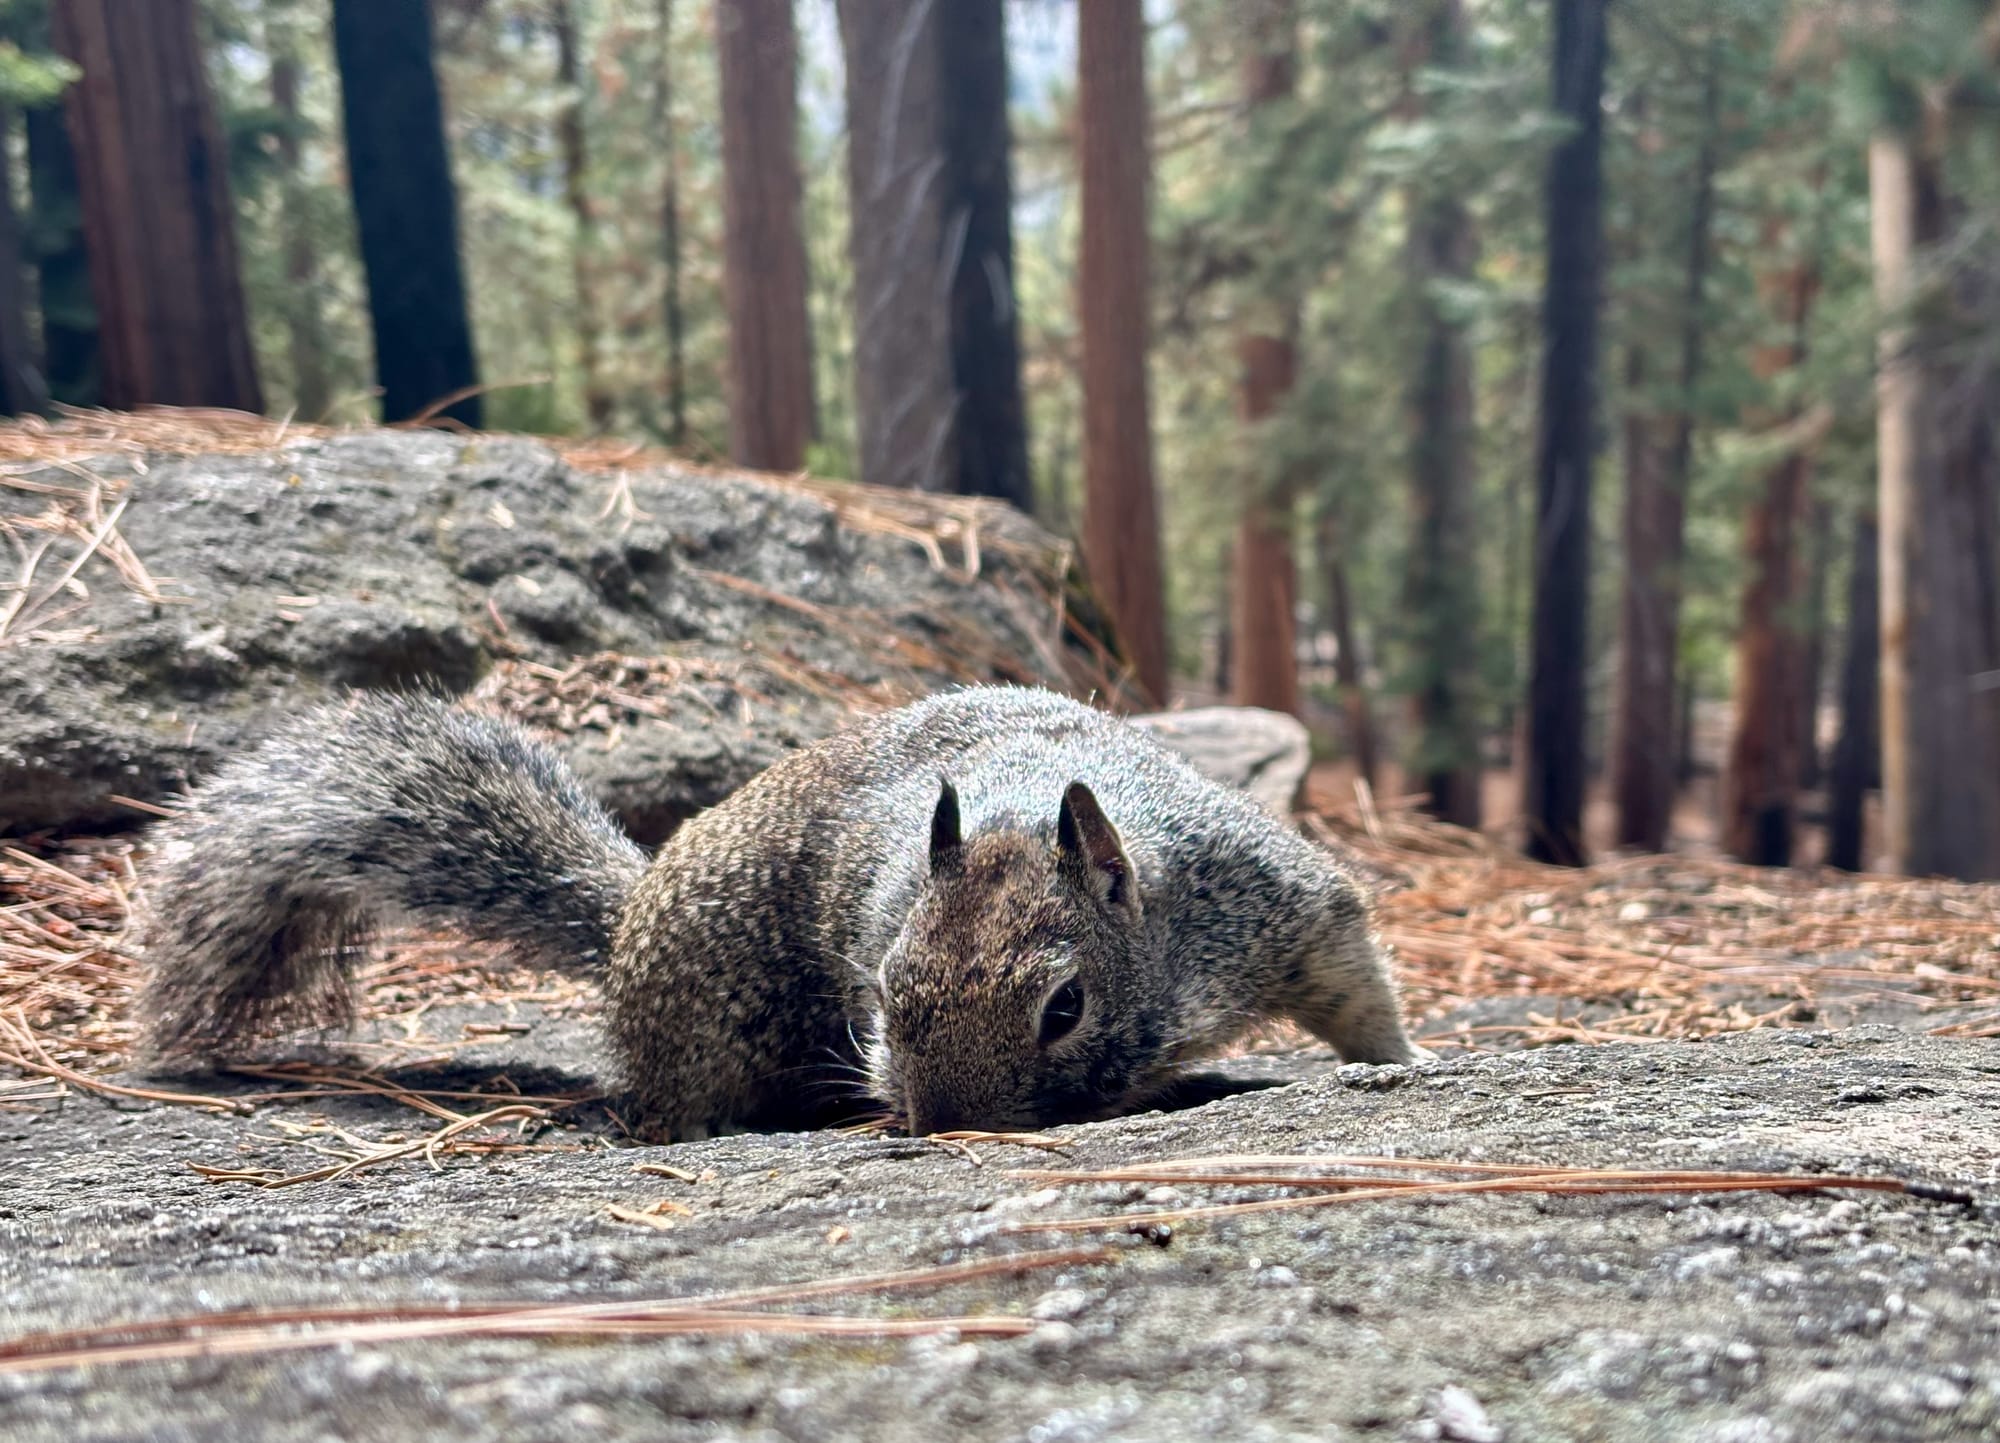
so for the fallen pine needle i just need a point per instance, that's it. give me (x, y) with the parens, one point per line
(34, 1060)
(427, 1146)
(267, 1330)
(1495, 1178)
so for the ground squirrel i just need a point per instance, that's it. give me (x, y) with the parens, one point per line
(995, 908)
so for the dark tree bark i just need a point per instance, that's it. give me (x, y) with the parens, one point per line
(576, 194)
(62, 265)
(1812, 674)
(764, 261)
(668, 133)
(992, 416)
(406, 209)
(1347, 659)
(1121, 530)
(1441, 583)
(312, 392)
(1266, 586)
(158, 221)
(904, 391)
(937, 350)
(1645, 756)
(1556, 766)
(22, 389)
(1854, 751)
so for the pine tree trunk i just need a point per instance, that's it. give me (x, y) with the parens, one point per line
(1856, 748)
(1347, 650)
(764, 270)
(406, 210)
(62, 271)
(1266, 586)
(1121, 531)
(905, 401)
(1557, 748)
(1940, 742)
(158, 221)
(1646, 762)
(668, 134)
(21, 387)
(1761, 778)
(1441, 584)
(937, 351)
(1818, 542)
(1644, 715)
(992, 415)
(576, 194)
(312, 392)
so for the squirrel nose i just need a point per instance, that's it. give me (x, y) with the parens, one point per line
(933, 1115)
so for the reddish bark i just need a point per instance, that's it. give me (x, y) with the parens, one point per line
(764, 254)
(1121, 530)
(1761, 778)
(158, 221)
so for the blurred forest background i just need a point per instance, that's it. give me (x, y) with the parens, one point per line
(1580, 412)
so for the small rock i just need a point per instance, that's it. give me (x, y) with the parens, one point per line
(1059, 1303)
(1459, 1415)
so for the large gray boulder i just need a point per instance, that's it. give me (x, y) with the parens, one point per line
(1264, 753)
(767, 611)
(1701, 1316)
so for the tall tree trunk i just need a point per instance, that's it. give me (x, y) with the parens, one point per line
(1856, 748)
(937, 350)
(312, 392)
(21, 386)
(1940, 745)
(1645, 756)
(1265, 589)
(406, 209)
(62, 268)
(1347, 650)
(667, 134)
(1761, 779)
(1266, 585)
(992, 416)
(576, 193)
(764, 270)
(1121, 530)
(904, 397)
(1812, 675)
(1441, 584)
(1557, 765)
(157, 216)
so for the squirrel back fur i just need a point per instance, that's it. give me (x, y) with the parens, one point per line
(993, 908)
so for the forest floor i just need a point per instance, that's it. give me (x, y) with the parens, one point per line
(1709, 1153)
(1647, 1017)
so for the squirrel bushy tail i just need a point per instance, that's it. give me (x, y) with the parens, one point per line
(278, 866)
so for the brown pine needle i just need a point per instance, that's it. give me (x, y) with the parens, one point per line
(1551, 1181)
(263, 1330)
(427, 1147)
(34, 1060)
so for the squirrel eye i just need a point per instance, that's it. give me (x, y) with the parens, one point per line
(1061, 1013)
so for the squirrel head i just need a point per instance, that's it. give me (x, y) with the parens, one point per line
(1016, 994)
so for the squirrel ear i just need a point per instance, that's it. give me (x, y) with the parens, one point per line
(946, 838)
(1086, 841)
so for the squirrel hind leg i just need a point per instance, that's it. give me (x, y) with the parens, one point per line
(222, 983)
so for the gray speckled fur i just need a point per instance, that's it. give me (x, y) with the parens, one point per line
(801, 941)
